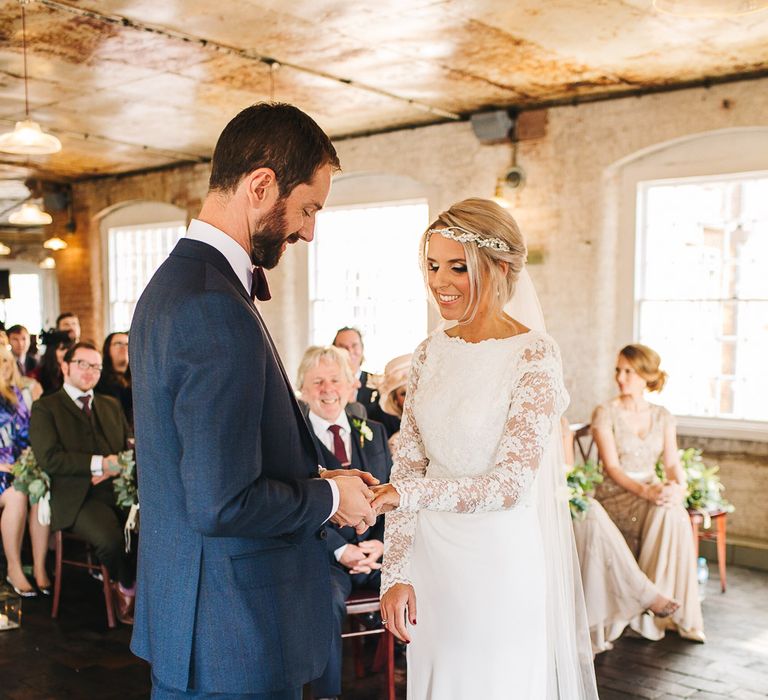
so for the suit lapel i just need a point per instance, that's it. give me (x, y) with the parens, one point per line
(71, 406)
(358, 453)
(198, 250)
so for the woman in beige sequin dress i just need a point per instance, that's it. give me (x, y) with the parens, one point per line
(615, 589)
(631, 434)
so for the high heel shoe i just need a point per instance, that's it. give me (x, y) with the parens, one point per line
(45, 590)
(19, 592)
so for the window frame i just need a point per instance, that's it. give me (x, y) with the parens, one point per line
(736, 152)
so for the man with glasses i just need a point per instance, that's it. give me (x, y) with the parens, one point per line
(76, 436)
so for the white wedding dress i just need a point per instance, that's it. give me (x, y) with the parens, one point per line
(477, 421)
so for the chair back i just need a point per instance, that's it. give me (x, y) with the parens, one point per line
(584, 447)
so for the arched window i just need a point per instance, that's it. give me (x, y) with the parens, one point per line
(137, 237)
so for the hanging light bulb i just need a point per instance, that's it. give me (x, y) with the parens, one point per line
(28, 138)
(4, 249)
(30, 214)
(55, 243)
(498, 195)
(47, 263)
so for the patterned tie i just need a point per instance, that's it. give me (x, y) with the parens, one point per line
(259, 286)
(86, 401)
(339, 451)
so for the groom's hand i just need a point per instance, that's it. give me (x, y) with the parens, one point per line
(368, 478)
(354, 503)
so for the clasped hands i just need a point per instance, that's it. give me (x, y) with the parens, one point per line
(665, 494)
(361, 498)
(109, 469)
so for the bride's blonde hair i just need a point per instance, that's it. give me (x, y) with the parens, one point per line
(484, 220)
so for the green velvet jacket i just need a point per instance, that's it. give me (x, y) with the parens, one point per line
(64, 439)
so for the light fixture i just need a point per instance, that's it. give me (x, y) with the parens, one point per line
(709, 8)
(47, 263)
(28, 138)
(4, 249)
(30, 214)
(512, 179)
(55, 243)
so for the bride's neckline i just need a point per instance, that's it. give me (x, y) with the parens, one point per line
(459, 340)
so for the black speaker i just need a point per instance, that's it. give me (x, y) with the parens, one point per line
(5, 284)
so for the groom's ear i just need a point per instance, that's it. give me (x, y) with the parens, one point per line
(260, 188)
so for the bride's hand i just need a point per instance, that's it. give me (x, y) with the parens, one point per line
(385, 498)
(398, 605)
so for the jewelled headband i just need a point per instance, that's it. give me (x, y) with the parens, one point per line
(456, 233)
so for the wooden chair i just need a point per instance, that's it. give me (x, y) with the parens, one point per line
(362, 603)
(88, 564)
(716, 533)
(583, 442)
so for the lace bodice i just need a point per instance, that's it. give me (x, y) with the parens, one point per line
(637, 455)
(476, 420)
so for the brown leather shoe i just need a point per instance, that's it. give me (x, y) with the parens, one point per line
(124, 605)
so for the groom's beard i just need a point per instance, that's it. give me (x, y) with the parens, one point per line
(268, 240)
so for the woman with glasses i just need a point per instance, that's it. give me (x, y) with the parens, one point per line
(116, 375)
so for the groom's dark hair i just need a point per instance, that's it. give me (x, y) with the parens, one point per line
(271, 135)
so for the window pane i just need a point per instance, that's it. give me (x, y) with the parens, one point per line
(26, 303)
(703, 293)
(135, 252)
(364, 272)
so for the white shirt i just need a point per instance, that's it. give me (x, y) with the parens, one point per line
(74, 393)
(240, 262)
(320, 426)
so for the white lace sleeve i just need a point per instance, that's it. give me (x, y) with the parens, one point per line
(408, 460)
(538, 400)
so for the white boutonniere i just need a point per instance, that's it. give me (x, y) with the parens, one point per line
(365, 432)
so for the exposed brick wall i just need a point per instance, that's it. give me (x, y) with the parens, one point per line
(565, 210)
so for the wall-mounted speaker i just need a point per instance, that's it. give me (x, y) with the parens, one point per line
(5, 284)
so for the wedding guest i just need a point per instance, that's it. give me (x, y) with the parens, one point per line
(70, 324)
(49, 372)
(14, 438)
(615, 589)
(351, 340)
(76, 436)
(631, 435)
(343, 440)
(18, 337)
(389, 409)
(116, 376)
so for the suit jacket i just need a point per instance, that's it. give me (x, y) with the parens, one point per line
(366, 394)
(233, 577)
(64, 439)
(373, 457)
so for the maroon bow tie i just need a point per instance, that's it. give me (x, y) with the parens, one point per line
(259, 286)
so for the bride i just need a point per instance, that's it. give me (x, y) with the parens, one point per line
(480, 575)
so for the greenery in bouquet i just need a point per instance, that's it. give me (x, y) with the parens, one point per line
(29, 478)
(704, 488)
(126, 491)
(582, 480)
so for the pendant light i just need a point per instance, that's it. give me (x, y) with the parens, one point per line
(47, 263)
(4, 249)
(28, 138)
(55, 243)
(30, 214)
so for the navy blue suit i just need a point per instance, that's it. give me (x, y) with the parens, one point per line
(233, 580)
(371, 456)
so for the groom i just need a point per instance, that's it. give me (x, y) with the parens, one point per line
(233, 582)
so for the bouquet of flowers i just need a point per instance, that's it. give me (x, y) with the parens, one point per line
(126, 492)
(29, 478)
(582, 480)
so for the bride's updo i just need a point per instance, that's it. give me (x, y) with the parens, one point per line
(484, 220)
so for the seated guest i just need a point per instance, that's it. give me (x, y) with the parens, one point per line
(70, 324)
(325, 379)
(351, 340)
(631, 434)
(389, 409)
(49, 372)
(18, 337)
(615, 589)
(116, 375)
(14, 438)
(76, 437)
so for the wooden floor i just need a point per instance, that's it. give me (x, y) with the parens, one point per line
(77, 657)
